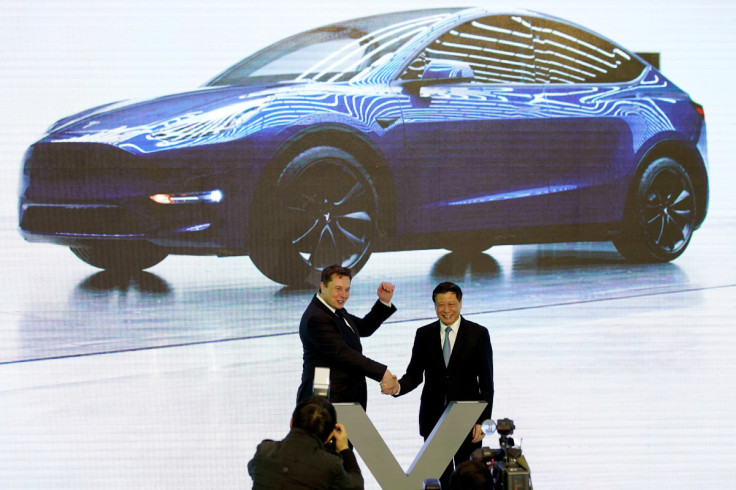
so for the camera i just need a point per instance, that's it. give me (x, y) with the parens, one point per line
(507, 464)
(432, 484)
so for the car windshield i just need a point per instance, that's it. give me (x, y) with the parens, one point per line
(335, 53)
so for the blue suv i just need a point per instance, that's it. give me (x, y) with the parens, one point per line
(442, 128)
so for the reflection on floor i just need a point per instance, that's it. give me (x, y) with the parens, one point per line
(617, 375)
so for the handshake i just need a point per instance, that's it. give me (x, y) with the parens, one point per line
(389, 384)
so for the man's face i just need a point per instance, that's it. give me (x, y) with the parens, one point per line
(336, 292)
(447, 307)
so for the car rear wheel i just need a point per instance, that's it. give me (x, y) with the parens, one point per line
(124, 257)
(321, 210)
(660, 216)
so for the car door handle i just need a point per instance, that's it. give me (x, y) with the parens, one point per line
(385, 122)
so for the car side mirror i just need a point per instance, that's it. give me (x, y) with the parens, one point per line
(440, 72)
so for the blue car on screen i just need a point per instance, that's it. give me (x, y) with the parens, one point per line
(440, 128)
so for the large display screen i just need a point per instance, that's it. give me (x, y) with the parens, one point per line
(615, 372)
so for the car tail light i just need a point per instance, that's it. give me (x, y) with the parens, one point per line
(699, 109)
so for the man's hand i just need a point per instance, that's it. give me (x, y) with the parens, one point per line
(386, 292)
(478, 434)
(341, 437)
(389, 384)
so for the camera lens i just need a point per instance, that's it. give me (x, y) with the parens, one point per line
(488, 427)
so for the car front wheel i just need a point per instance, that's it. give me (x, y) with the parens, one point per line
(321, 210)
(660, 216)
(123, 257)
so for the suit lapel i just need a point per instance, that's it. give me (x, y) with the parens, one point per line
(435, 344)
(321, 306)
(349, 329)
(348, 334)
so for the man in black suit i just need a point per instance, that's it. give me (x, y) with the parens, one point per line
(466, 375)
(331, 338)
(301, 459)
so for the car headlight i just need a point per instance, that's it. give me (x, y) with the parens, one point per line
(225, 123)
(211, 197)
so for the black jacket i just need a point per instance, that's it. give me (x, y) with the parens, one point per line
(468, 377)
(328, 342)
(302, 461)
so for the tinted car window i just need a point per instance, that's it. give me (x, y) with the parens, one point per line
(565, 54)
(334, 53)
(498, 48)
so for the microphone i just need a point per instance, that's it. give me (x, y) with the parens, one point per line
(321, 384)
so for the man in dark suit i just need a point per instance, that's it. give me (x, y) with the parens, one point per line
(301, 460)
(466, 375)
(331, 339)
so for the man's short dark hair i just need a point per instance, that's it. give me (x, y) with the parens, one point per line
(316, 416)
(337, 270)
(447, 287)
(471, 475)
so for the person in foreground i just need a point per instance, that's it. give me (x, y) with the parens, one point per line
(471, 475)
(331, 338)
(301, 459)
(456, 357)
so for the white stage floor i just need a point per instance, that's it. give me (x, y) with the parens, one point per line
(616, 375)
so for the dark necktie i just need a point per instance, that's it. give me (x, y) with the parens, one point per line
(341, 315)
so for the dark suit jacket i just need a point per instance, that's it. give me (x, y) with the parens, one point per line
(468, 377)
(301, 461)
(329, 343)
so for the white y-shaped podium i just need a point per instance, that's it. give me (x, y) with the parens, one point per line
(437, 451)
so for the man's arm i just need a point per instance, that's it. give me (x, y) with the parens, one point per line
(323, 334)
(348, 475)
(382, 309)
(415, 370)
(485, 381)
(485, 372)
(385, 292)
(352, 477)
(256, 466)
(389, 384)
(367, 325)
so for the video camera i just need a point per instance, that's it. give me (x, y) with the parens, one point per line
(507, 465)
